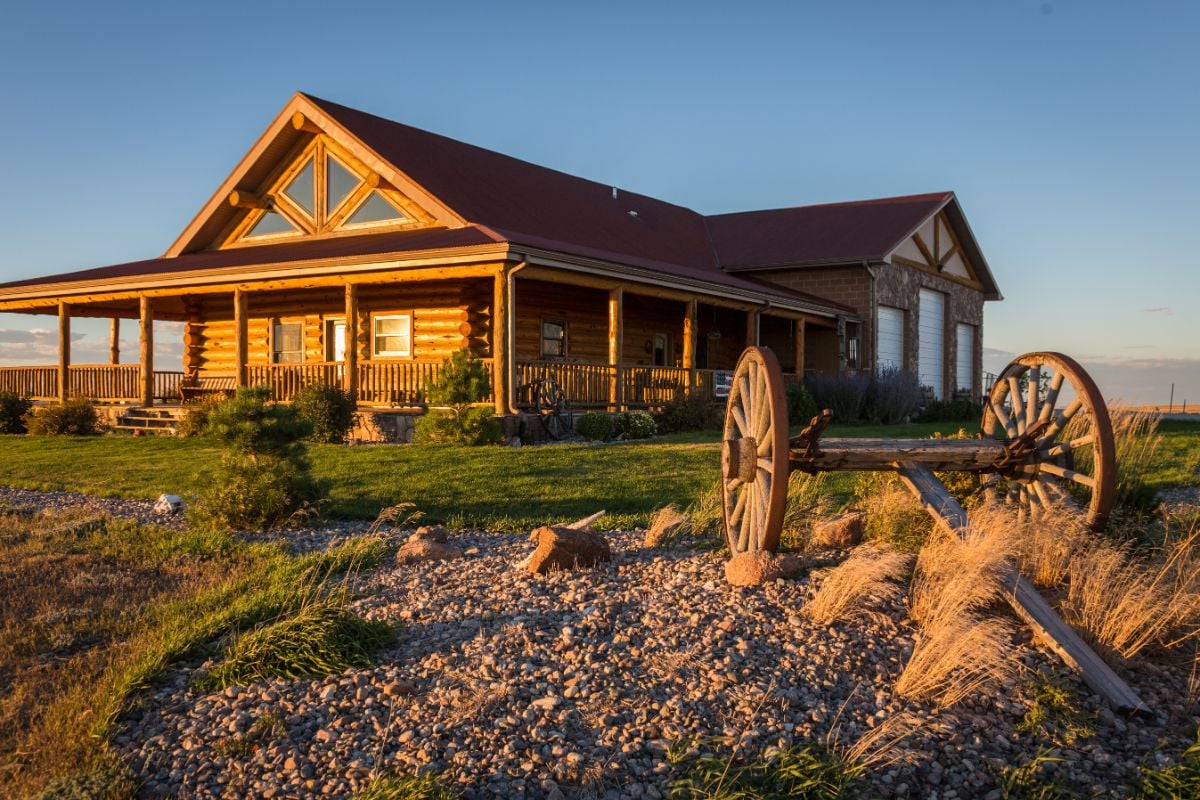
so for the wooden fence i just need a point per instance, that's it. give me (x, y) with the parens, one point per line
(102, 382)
(285, 380)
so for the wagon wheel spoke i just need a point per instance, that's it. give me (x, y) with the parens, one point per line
(1073, 457)
(755, 471)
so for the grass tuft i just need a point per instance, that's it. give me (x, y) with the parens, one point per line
(320, 639)
(805, 771)
(870, 571)
(1054, 714)
(893, 515)
(1173, 781)
(427, 786)
(666, 525)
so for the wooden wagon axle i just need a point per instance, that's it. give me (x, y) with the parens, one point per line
(1042, 456)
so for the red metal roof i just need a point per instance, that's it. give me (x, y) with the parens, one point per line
(282, 253)
(864, 230)
(505, 199)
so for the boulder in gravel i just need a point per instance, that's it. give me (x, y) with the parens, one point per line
(757, 568)
(560, 547)
(842, 532)
(415, 552)
(430, 533)
(168, 505)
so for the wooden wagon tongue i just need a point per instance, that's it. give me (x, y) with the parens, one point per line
(1028, 445)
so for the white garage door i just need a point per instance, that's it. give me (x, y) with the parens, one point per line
(965, 362)
(891, 339)
(931, 341)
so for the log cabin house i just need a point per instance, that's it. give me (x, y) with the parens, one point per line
(351, 250)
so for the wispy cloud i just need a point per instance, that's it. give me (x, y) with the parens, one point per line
(1167, 310)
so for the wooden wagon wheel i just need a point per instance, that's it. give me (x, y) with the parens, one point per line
(754, 454)
(1053, 456)
(553, 408)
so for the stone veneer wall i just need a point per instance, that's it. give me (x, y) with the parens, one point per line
(897, 286)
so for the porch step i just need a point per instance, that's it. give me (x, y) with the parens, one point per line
(157, 421)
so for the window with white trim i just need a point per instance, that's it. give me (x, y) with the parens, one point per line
(393, 335)
(287, 343)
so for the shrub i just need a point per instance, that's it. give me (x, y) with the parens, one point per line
(636, 425)
(462, 380)
(329, 410)
(801, 406)
(194, 421)
(595, 426)
(318, 640)
(844, 395)
(951, 411)
(76, 417)
(13, 409)
(893, 396)
(264, 476)
(688, 414)
(475, 425)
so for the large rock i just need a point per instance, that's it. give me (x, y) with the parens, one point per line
(841, 532)
(415, 552)
(757, 568)
(559, 547)
(430, 533)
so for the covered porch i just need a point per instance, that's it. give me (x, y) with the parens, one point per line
(609, 344)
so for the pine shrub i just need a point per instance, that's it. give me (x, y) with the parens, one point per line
(462, 381)
(194, 421)
(13, 409)
(801, 406)
(264, 476)
(329, 410)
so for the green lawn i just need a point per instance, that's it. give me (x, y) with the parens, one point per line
(500, 488)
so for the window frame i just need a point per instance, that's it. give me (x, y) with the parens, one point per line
(391, 354)
(278, 323)
(563, 340)
(329, 327)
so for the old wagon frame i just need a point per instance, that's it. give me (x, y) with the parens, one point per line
(1031, 454)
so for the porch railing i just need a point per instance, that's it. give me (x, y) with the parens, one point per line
(39, 383)
(586, 385)
(398, 383)
(650, 387)
(103, 382)
(285, 380)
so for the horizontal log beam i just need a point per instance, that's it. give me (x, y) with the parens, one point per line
(884, 454)
(239, 198)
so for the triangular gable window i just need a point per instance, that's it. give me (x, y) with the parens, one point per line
(341, 184)
(375, 210)
(303, 189)
(322, 190)
(272, 223)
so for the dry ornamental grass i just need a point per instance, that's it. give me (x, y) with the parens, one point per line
(870, 571)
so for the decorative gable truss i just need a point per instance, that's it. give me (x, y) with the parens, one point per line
(934, 247)
(319, 190)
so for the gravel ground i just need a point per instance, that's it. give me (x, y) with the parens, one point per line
(573, 685)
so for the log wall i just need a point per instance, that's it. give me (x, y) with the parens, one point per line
(447, 315)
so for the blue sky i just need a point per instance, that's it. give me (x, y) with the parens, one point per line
(1069, 130)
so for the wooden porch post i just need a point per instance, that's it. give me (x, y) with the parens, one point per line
(114, 343)
(350, 378)
(689, 344)
(753, 317)
(241, 339)
(503, 296)
(798, 349)
(64, 351)
(616, 344)
(146, 321)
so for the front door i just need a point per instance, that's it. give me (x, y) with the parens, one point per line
(335, 340)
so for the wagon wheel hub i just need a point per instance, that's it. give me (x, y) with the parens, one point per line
(1022, 454)
(739, 458)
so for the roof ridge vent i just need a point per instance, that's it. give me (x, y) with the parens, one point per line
(614, 192)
